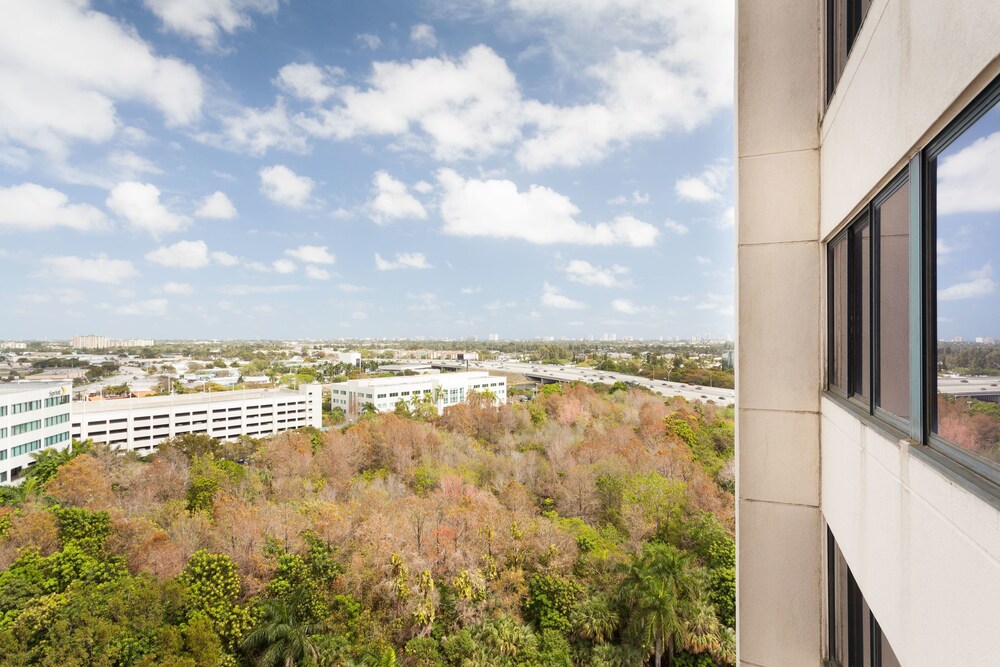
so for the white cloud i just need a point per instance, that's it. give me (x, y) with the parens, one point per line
(495, 208)
(979, 283)
(359, 315)
(676, 227)
(402, 260)
(311, 254)
(317, 273)
(620, 200)
(627, 307)
(500, 305)
(283, 266)
(967, 180)
(216, 206)
(32, 208)
(149, 308)
(283, 186)
(181, 255)
(471, 290)
(63, 67)
(585, 273)
(720, 304)
(205, 20)
(392, 201)
(369, 40)
(128, 165)
(256, 131)
(224, 258)
(727, 219)
(640, 197)
(702, 260)
(177, 288)
(305, 81)
(248, 290)
(351, 289)
(99, 270)
(422, 35)
(552, 297)
(423, 187)
(462, 108)
(707, 186)
(139, 205)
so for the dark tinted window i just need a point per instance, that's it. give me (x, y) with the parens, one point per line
(861, 311)
(838, 315)
(892, 217)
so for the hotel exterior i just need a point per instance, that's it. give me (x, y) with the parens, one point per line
(868, 227)
(444, 390)
(139, 424)
(32, 417)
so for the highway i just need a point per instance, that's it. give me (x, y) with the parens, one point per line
(985, 388)
(589, 375)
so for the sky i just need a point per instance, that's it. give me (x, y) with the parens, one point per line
(324, 169)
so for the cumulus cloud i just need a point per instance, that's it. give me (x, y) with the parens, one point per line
(585, 273)
(627, 307)
(317, 273)
(181, 255)
(177, 288)
(552, 297)
(402, 260)
(33, 208)
(64, 66)
(458, 108)
(977, 284)
(148, 308)
(967, 180)
(98, 270)
(305, 81)
(216, 206)
(392, 201)
(256, 131)
(471, 290)
(707, 186)
(312, 254)
(495, 208)
(129, 165)
(283, 266)
(369, 40)
(423, 36)
(224, 258)
(205, 20)
(675, 227)
(283, 186)
(139, 205)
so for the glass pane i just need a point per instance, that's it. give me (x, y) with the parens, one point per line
(838, 315)
(968, 301)
(893, 217)
(861, 333)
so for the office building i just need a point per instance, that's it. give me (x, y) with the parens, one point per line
(445, 390)
(32, 417)
(142, 423)
(13, 345)
(91, 342)
(868, 225)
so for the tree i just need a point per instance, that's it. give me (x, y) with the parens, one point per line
(283, 636)
(368, 409)
(661, 590)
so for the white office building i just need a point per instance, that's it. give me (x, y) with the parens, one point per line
(142, 423)
(32, 417)
(384, 393)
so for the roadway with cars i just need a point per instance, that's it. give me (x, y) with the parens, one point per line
(555, 373)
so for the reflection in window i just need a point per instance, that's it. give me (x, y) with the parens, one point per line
(893, 218)
(966, 180)
(861, 326)
(838, 315)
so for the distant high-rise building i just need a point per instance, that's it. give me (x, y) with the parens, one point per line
(91, 342)
(494, 337)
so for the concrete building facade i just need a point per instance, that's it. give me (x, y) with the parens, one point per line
(445, 389)
(867, 533)
(33, 417)
(142, 423)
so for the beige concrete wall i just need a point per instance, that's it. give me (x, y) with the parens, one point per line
(915, 63)
(778, 333)
(923, 549)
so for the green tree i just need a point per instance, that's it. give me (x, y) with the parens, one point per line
(283, 635)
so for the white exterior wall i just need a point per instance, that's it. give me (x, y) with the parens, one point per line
(141, 423)
(12, 394)
(925, 549)
(384, 393)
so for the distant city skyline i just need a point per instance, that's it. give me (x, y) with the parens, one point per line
(437, 168)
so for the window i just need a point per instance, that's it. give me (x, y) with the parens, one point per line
(914, 307)
(843, 21)
(964, 215)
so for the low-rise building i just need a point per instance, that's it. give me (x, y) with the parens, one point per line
(142, 423)
(445, 390)
(32, 417)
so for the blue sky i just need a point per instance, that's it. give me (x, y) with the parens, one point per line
(269, 168)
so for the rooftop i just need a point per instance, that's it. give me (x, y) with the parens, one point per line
(110, 405)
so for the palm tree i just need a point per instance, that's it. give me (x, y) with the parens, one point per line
(368, 409)
(282, 636)
(661, 590)
(596, 619)
(703, 630)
